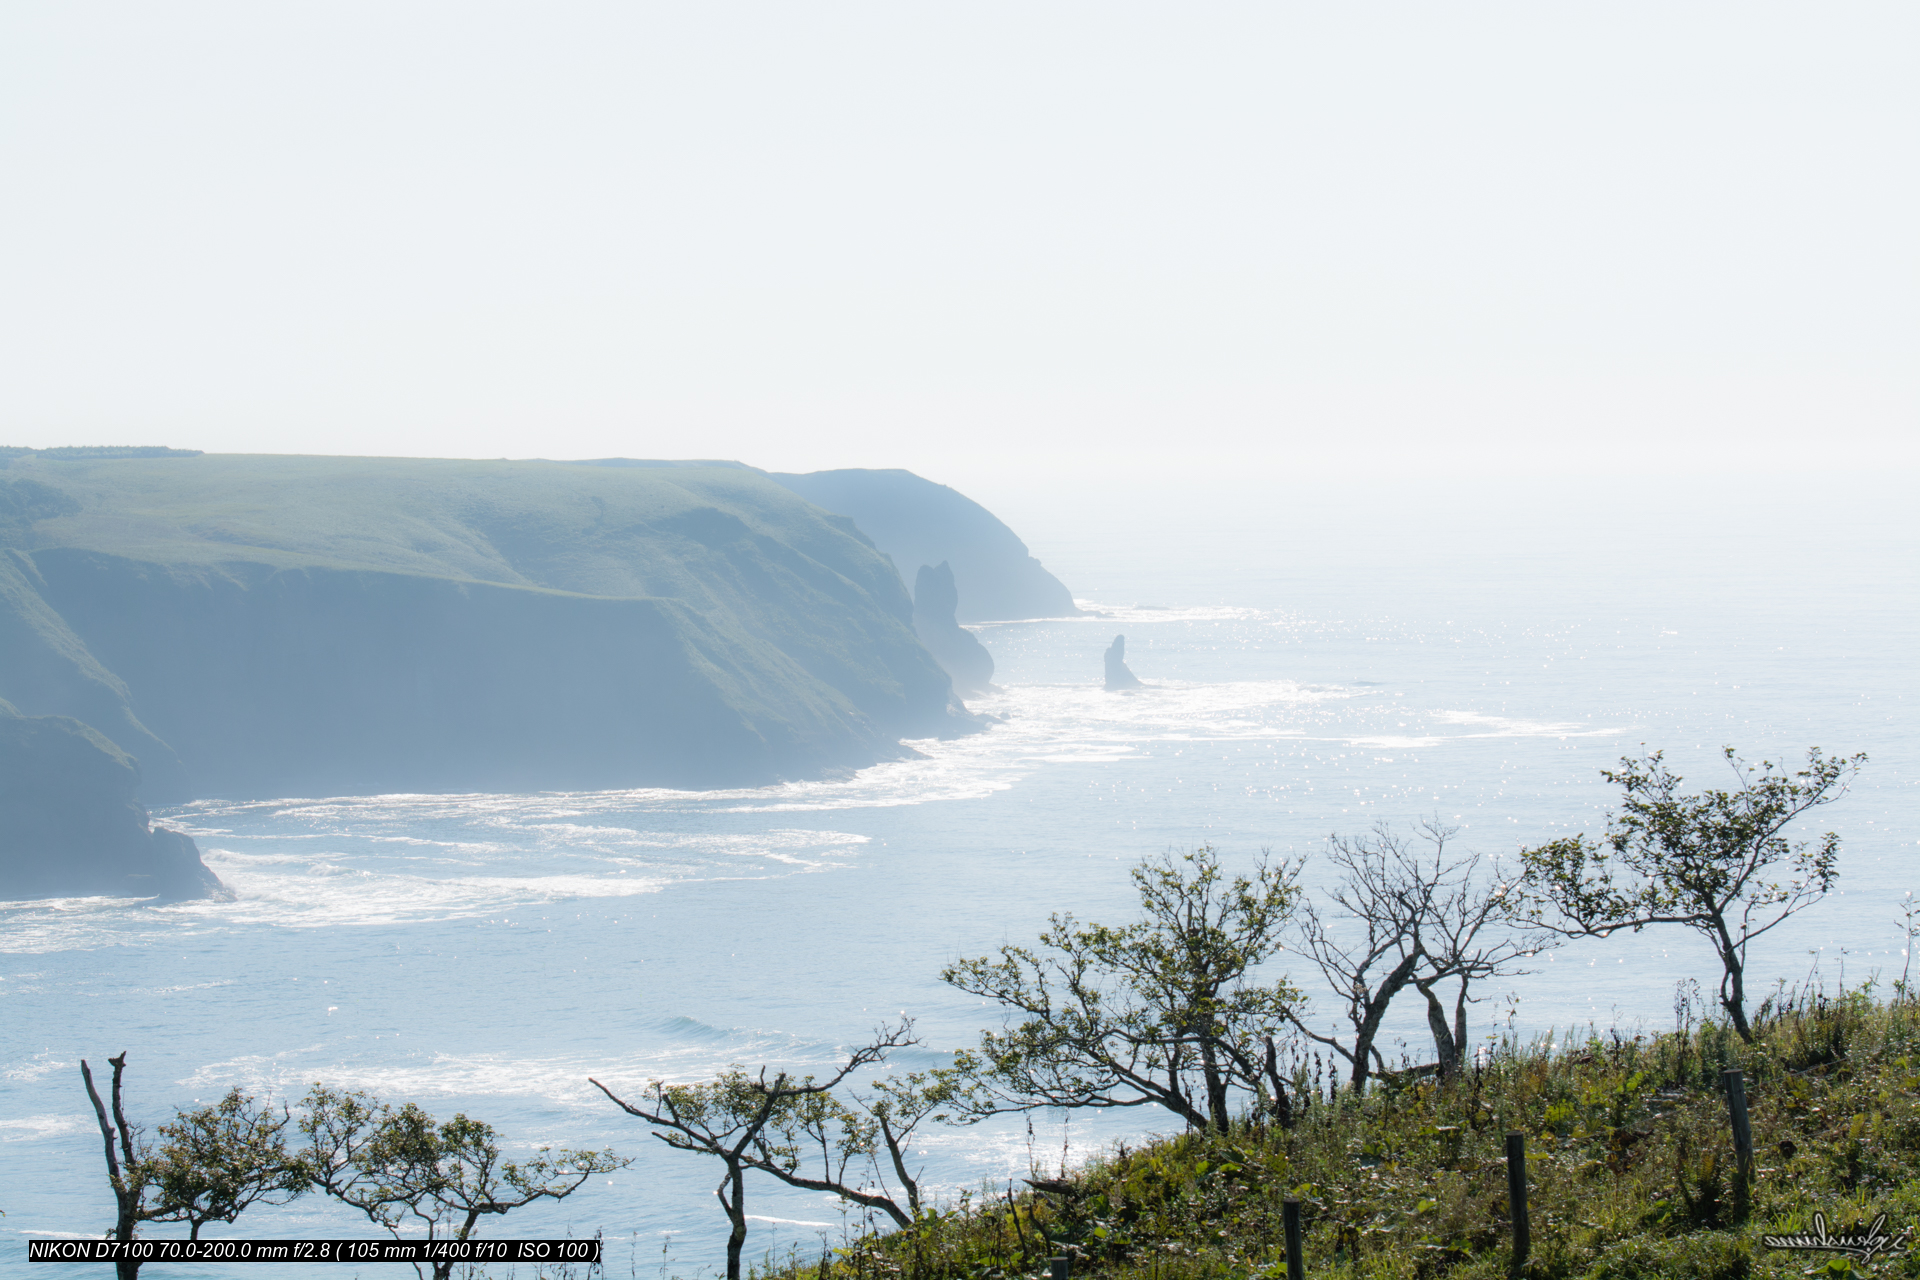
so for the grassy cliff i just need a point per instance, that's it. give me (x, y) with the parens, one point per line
(1630, 1170)
(271, 625)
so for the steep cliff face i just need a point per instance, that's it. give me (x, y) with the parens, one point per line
(69, 824)
(48, 670)
(321, 625)
(956, 648)
(918, 522)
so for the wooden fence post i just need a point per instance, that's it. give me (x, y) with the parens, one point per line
(1290, 1223)
(1742, 1141)
(1517, 1202)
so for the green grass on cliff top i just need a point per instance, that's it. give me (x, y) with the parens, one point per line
(613, 531)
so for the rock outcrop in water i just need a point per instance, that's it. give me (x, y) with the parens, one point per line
(915, 522)
(70, 826)
(1118, 676)
(272, 626)
(958, 650)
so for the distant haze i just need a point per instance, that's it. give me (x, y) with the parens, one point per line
(1093, 239)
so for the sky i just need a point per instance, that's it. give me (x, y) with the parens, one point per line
(1101, 241)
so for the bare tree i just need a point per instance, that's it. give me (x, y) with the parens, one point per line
(1386, 889)
(750, 1122)
(1476, 928)
(1706, 861)
(126, 1164)
(401, 1167)
(837, 1138)
(1421, 917)
(1148, 1014)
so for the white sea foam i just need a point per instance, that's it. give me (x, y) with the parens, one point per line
(1095, 612)
(48, 926)
(358, 878)
(1039, 725)
(330, 895)
(185, 986)
(561, 1079)
(1507, 727)
(32, 1128)
(281, 1075)
(39, 1065)
(1035, 725)
(316, 863)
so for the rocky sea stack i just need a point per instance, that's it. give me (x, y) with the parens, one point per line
(1118, 676)
(957, 649)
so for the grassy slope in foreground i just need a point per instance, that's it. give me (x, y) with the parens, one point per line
(1630, 1164)
(326, 625)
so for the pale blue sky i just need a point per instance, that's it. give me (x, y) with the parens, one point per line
(956, 237)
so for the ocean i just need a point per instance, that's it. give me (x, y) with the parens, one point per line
(1318, 658)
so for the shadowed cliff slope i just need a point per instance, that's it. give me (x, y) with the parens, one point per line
(70, 827)
(952, 645)
(277, 625)
(918, 522)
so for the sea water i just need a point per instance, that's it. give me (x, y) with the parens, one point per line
(1314, 663)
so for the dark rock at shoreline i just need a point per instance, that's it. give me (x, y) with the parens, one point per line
(957, 649)
(1118, 676)
(70, 827)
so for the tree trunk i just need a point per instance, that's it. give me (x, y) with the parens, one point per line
(1736, 1001)
(868, 1200)
(1444, 1045)
(126, 1195)
(1218, 1117)
(1733, 991)
(443, 1270)
(1173, 1095)
(1282, 1105)
(1363, 1045)
(907, 1183)
(736, 1208)
(1375, 1010)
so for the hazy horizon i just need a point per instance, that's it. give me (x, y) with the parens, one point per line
(1106, 242)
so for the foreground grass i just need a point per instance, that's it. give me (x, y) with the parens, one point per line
(1630, 1161)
